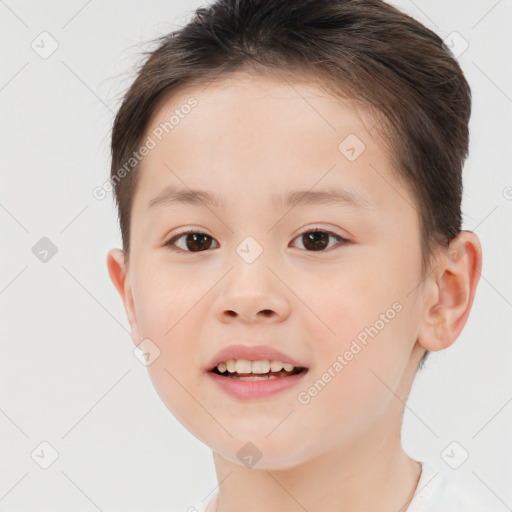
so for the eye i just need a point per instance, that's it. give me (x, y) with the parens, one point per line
(318, 240)
(194, 241)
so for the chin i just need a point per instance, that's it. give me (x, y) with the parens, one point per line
(260, 454)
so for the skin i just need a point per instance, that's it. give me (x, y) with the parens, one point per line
(250, 137)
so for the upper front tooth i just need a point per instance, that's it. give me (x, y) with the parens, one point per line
(243, 366)
(260, 367)
(246, 366)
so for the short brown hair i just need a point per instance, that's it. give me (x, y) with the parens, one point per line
(364, 49)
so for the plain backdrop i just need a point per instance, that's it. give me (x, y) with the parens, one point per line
(69, 378)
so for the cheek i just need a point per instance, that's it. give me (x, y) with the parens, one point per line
(367, 310)
(351, 299)
(164, 297)
(356, 382)
(168, 308)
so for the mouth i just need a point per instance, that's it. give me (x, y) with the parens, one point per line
(246, 380)
(254, 371)
(250, 376)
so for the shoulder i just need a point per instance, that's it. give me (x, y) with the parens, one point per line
(437, 491)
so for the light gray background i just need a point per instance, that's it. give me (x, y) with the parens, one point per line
(68, 373)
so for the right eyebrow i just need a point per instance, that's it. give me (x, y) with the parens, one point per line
(172, 195)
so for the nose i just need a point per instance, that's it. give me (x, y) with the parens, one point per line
(251, 293)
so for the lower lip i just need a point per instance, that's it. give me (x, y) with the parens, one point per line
(247, 389)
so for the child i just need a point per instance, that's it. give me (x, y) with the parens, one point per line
(288, 181)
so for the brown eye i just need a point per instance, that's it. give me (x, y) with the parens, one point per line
(318, 240)
(193, 241)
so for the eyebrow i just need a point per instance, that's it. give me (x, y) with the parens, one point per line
(171, 196)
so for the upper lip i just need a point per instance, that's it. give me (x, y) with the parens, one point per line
(251, 353)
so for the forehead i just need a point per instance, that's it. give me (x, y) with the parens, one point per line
(261, 133)
(249, 93)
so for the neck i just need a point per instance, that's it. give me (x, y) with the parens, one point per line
(377, 476)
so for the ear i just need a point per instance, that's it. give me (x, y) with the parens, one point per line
(450, 290)
(118, 275)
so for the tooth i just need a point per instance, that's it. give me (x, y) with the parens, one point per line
(260, 367)
(256, 367)
(243, 366)
(276, 366)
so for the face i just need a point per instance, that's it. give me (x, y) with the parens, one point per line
(331, 282)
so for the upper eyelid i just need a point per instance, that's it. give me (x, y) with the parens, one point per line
(319, 228)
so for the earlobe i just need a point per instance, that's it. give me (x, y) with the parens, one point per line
(453, 287)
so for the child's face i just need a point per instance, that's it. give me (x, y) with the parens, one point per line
(251, 139)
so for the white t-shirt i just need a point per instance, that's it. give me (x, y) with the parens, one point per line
(441, 492)
(435, 492)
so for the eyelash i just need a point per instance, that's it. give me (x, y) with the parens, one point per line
(170, 242)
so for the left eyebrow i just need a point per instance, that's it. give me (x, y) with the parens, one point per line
(333, 196)
(194, 197)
